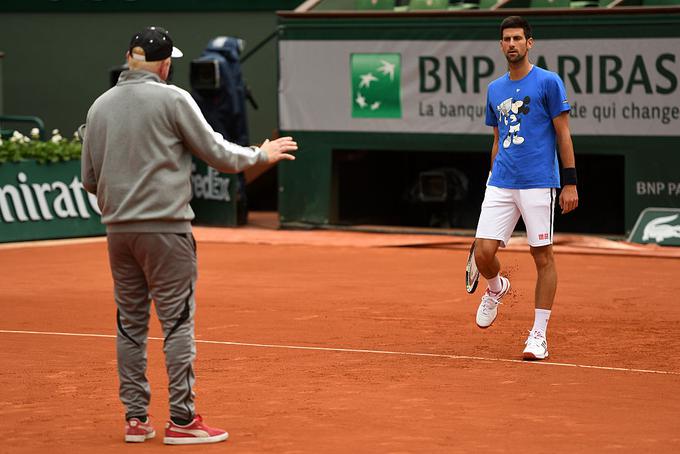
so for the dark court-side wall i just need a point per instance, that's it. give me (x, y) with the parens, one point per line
(58, 54)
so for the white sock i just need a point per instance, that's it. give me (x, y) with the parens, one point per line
(541, 320)
(495, 284)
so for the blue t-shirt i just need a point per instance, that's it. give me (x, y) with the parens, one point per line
(523, 111)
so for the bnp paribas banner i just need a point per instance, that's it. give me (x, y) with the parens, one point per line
(617, 87)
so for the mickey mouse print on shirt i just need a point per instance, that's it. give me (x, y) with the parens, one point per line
(510, 113)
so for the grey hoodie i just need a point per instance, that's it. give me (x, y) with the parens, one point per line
(136, 156)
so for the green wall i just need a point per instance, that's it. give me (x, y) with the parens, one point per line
(44, 201)
(2, 56)
(60, 6)
(56, 65)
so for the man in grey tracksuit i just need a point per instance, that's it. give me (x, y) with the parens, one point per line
(137, 147)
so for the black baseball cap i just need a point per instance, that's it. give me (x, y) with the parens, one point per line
(156, 43)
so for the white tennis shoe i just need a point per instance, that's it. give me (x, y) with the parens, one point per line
(536, 346)
(488, 308)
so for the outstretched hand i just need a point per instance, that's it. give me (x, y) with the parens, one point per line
(279, 149)
(568, 198)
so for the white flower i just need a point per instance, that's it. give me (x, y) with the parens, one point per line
(0, 141)
(17, 135)
(25, 139)
(35, 133)
(76, 135)
(56, 138)
(55, 132)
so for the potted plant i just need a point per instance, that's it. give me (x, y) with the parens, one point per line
(41, 195)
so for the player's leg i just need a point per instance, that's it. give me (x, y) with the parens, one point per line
(485, 257)
(546, 280)
(537, 207)
(496, 222)
(132, 301)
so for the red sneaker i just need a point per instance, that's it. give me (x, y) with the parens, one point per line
(193, 433)
(137, 431)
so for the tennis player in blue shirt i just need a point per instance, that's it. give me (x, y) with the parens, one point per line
(529, 112)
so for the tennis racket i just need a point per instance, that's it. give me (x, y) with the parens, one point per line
(471, 271)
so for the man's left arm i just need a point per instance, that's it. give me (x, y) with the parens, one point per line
(569, 194)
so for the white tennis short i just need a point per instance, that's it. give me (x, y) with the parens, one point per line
(502, 208)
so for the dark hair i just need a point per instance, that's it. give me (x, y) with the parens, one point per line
(516, 22)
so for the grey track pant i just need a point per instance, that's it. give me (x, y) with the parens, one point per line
(159, 267)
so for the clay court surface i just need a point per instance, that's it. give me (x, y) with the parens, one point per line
(341, 342)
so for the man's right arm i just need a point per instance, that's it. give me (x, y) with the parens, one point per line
(491, 120)
(494, 147)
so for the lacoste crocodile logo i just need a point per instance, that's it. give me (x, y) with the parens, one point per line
(660, 229)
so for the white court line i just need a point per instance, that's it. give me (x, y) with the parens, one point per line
(376, 352)
(50, 243)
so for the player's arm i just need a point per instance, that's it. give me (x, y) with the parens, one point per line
(492, 120)
(494, 147)
(494, 152)
(569, 194)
